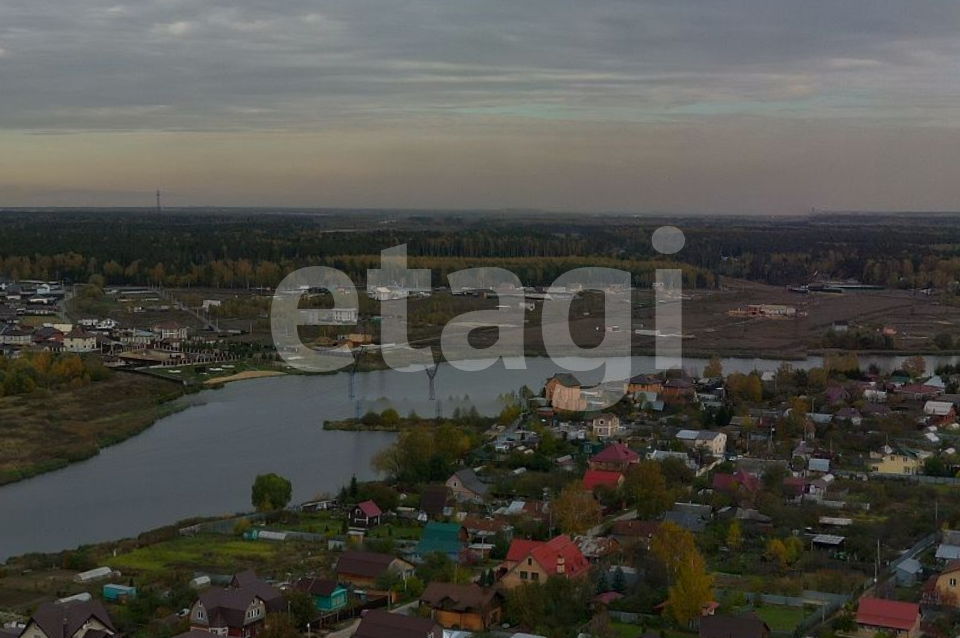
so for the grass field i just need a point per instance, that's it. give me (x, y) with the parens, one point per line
(217, 554)
(782, 618)
(48, 429)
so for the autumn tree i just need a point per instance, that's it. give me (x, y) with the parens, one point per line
(734, 535)
(914, 366)
(692, 589)
(575, 510)
(714, 368)
(646, 484)
(672, 545)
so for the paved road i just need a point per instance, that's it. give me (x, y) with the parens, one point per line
(348, 631)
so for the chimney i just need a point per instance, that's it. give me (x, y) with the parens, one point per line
(561, 565)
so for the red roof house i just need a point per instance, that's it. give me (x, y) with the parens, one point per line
(595, 478)
(366, 515)
(539, 561)
(616, 457)
(875, 614)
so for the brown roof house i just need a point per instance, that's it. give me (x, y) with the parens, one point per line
(468, 607)
(382, 624)
(73, 619)
(239, 610)
(362, 569)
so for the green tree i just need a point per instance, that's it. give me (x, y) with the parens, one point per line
(713, 369)
(646, 483)
(270, 492)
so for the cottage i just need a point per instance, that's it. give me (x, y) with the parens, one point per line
(365, 515)
(328, 595)
(563, 392)
(616, 457)
(445, 538)
(536, 561)
(465, 485)
(239, 610)
(73, 619)
(644, 383)
(468, 607)
(903, 461)
(634, 532)
(602, 478)
(362, 569)
(947, 586)
(78, 340)
(605, 426)
(433, 501)
(382, 624)
(170, 331)
(690, 516)
(875, 615)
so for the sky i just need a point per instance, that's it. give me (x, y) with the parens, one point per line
(735, 106)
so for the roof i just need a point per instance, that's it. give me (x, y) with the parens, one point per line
(948, 552)
(469, 479)
(440, 537)
(366, 564)
(912, 566)
(616, 452)
(566, 379)
(370, 509)
(317, 586)
(228, 607)
(382, 624)
(634, 529)
(433, 498)
(62, 620)
(889, 614)
(562, 548)
(645, 379)
(520, 548)
(732, 627)
(453, 597)
(595, 478)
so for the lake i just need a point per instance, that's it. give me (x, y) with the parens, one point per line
(202, 461)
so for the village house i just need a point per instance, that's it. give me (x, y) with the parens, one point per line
(946, 586)
(383, 624)
(616, 457)
(362, 569)
(635, 532)
(466, 486)
(71, 619)
(328, 595)
(563, 392)
(605, 426)
(16, 337)
(902, 461)
(449, 539)
(468, 607)
(715, 443)
(593, 479)
(79, 340)
(365, 515)
(644, 383)
(893, 617)
(238, 611)
(537, 561)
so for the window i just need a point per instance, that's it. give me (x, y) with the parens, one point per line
(529, 561)
(535, 576)
(953, 582)
(523, 575)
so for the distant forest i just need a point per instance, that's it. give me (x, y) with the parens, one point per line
(256, 248)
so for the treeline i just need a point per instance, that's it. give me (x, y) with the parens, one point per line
(255, 249)
(46, 370)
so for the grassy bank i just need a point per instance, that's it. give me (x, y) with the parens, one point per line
(49, 429)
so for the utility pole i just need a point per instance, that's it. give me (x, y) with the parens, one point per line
(159, 208)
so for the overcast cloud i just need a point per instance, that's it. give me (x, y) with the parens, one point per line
(749, 105)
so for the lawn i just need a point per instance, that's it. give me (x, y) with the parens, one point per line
(782, 618)
(626, 630)
(218, 554)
